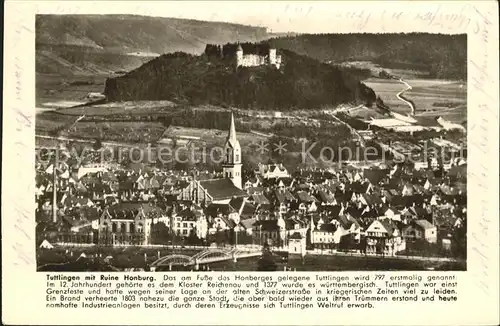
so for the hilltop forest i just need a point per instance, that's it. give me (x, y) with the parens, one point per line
(302, 82)
(442, 56)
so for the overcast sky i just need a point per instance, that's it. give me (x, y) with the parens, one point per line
(295, 16)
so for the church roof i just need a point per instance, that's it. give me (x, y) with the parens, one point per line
(239, 48)
(220, 189)
(231, 137)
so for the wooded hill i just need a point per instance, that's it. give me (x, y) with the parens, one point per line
(442, 56)
(99, 44)
(301, 83)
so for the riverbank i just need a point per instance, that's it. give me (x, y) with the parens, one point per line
(343, 263)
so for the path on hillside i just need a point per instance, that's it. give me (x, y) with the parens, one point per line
(400, 96)
(353, 131)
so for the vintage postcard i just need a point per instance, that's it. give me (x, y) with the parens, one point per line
(229, 157)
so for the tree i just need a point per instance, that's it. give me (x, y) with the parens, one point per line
(160, 233)
(267, 262)
(97, 144)
(193, 239)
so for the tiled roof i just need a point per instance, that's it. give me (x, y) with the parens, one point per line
(130, 210)
(424, 224)
(326, 227)
(296, 236)
(305, 197)
(388, 225)
(268, 225)
(248, 210)
(347, 221)
(331, 211)
(260, 199)
(375, 175)
(248, 223)
(325, 197)
(283, 196)
(215, 209)
(255, 190)
(237, 203)
(222, 189)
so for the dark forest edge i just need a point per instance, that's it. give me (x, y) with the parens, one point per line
(442, 56)
(303, 82)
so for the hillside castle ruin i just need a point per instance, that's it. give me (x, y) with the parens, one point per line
(246, 54)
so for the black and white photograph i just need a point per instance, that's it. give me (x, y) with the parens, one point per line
(177, 144)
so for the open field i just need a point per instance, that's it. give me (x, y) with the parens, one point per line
(47, 122)
(122, 108)
(431, 97)
(210, 136)
(409, 72)
(52, 89)
(128, 132)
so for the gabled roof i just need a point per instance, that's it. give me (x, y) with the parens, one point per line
(375, 175)
(248, 211)
(326, 227)
(347, 221)
(229, 222)
(388, 225)
(255, 190)
(283, 196)
(267, 225)
(260, 199)
(325, 197)
(353, 211)
(237, 203)
(304, 197)
(220, 189)
(296, 236)
(331, 211)
(291, 222)
(214, 210)
(189, 214)
(130, 210)
(424, 224)
(358, 187)
(248, 223)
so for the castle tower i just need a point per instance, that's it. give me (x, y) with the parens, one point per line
(231, 166)
(239, 56)
(272, 57)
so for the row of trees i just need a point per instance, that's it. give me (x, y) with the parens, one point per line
(228, 50)
(161, 234)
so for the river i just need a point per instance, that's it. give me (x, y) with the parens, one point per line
(327, 263)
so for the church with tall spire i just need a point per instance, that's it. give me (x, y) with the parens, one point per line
(223, 190)
(231, 166)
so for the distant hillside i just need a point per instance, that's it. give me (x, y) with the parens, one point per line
(89, 44)
(442, 56)
(302, 83)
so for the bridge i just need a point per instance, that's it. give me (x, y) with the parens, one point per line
(211, 255)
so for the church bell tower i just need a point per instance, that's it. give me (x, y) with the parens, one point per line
(232, 157)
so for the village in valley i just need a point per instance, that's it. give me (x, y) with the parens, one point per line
(261, 206)
(384, 209)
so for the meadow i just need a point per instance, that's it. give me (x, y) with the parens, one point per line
(122, 108)
(117, 131)
(431, 97)
(50, 90)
